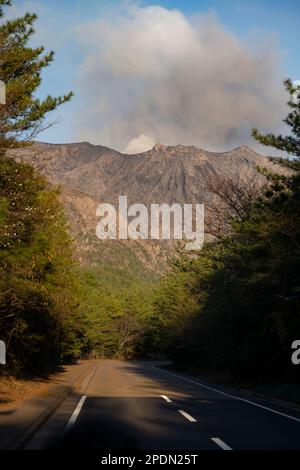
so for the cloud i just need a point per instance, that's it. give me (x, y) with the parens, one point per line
(150, 71)
(139, 144)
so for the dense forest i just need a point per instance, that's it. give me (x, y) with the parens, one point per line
(37, 320)
(231, 309)
(234, 309)
(51, 308)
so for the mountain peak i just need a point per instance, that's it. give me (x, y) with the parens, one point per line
(243, 148)
(173, 148)
(158, 147)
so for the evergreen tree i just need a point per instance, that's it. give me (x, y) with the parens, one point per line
(38, 318)
(290, 143)
(23, 115)
(246, 285)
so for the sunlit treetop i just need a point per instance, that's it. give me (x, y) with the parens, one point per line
(22, 118)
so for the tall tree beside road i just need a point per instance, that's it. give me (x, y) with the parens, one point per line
(38, 319)
(23, 115)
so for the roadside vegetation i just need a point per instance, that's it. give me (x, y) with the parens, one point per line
(233, 311)
(52, 310)
(37, 319)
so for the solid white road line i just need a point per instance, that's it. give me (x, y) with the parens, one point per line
(75, 414)
(187, 416)
(221, 443)
(228, 395)
(166, 398)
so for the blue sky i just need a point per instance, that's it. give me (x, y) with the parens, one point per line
(60, 20)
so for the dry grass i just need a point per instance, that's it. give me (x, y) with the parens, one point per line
(13, 391)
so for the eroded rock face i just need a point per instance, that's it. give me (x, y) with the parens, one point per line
(163, 174)
(90, 174)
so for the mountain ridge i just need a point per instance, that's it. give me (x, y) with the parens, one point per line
(91, 174)
(162, 174)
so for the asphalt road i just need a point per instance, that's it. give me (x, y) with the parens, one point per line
(135, 406)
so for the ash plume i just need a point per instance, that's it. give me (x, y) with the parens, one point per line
(154, 75)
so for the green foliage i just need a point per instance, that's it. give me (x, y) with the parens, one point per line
(235, 308)
(51, 309)
(291, 143)
(23, 115)
(37, 318)
(116, 313)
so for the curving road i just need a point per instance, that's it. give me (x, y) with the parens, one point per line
(135, 406)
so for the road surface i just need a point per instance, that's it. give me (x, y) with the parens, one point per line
(135, 406)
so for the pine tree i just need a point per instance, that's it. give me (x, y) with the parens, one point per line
(291, 143)
(245, 286)
(38, 319)
(22, 118)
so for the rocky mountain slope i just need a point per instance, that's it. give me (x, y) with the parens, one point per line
(90, 174)
(163, 174)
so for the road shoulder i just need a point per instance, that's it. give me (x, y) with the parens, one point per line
(20, 422)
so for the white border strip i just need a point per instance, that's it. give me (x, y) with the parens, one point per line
(234, 397)
(187, 416)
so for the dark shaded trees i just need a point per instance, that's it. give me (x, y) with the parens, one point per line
(247, 284)
(38, 319)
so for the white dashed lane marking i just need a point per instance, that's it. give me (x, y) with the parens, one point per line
(187, 416)
(221, 443)
(168, 400)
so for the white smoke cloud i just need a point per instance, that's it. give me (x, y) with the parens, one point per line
(154, 72)
(139, 144)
